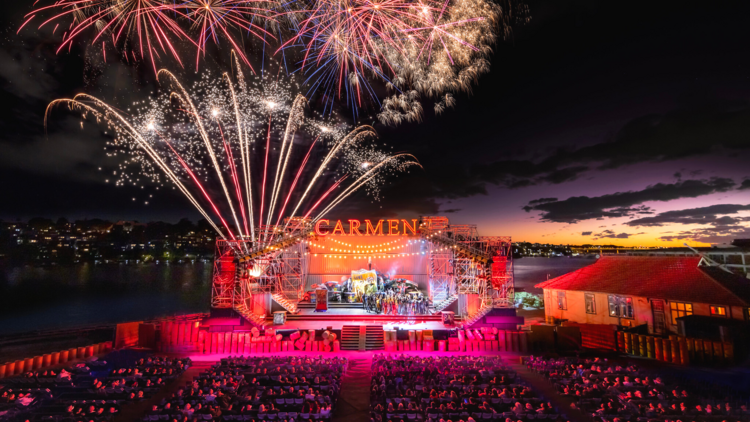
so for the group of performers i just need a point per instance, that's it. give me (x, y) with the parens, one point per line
(392, 303)
(378, 293)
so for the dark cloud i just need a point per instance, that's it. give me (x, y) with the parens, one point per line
(702, 215)
(516, 174)
(609, 234)
(624, 204)
(714, 235)
(586, 233)
(745, 184)
(542, 201)
(450, 210)
(710, 127)
(693, 131)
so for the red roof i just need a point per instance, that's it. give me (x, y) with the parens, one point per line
(662, 277)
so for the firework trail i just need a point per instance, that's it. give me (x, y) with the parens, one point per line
(148, 29)
(209, 138)
(349, 51)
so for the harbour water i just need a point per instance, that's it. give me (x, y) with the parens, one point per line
(48, 298)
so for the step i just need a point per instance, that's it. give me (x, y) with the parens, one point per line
(350, 337)
(371, 317)
(332, 305)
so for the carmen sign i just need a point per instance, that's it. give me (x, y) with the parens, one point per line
(390, 228)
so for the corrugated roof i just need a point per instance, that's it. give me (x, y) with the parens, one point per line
(663, 277)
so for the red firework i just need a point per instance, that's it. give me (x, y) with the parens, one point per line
(213, 19)
(354, 34)
(148, 25)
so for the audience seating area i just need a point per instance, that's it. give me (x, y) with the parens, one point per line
(456, 388)
(269, 388)
(86, 391)
(612, 392)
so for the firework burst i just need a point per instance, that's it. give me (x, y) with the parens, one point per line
(213, 20)
(349, 51)
(242, 152)
(145, 29)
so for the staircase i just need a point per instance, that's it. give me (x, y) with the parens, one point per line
(362, 337)
(441, 305)
(257, 320)
(374, 337)
(285, 303)
(471, 319)
(350, 337)
(332, 305)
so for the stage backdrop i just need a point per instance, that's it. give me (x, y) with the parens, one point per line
(333, 257)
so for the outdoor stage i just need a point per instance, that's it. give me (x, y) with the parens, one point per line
(417, 270)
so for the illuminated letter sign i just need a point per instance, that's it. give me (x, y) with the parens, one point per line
(392, 225)
(317, 227)
(338, 228)
(374, 230)
(354, 228)
(412, 228)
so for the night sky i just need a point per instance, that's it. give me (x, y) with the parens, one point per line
(601, 122)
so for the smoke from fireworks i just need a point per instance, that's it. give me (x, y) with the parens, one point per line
(348, 50)
(242, 152)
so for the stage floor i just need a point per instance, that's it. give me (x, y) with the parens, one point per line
(356, 312)
(336, 318)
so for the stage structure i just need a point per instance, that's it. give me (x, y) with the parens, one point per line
(450, 263)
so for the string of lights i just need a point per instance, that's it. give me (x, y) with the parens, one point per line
(377, 246)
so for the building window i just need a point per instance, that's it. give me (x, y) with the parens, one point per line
(719, 311)
(562, 302)
(590, 303)
(627, 307)
(679, 309)
(746, 311)
(621, 307)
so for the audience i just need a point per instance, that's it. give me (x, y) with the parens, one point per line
(614, 392)
(86, 392)
(273, 388)
(455, 388)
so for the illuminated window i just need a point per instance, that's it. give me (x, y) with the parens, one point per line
(746, 311)
(720, 311)
(621, 307)
(590, 303)
(679, 309)
(562, 302)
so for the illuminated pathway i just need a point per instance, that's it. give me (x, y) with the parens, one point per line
(354, 399)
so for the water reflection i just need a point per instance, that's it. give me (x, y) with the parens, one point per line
(62, 297)
(33, 298)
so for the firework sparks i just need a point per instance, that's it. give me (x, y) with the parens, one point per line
(212, 137)
(143, 27)
(229, 19)
(348, 50)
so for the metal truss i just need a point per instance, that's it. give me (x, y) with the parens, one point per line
(433, 224)
(278, 266)
(225, 287)
(501, 277)
(467, 280)
(294, 267)
(280, 272)
(482, 265)
(442, 282)
(463, 233)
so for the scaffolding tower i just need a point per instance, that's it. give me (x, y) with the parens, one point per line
(441, 281)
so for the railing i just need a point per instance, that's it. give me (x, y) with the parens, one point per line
(47, 360)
